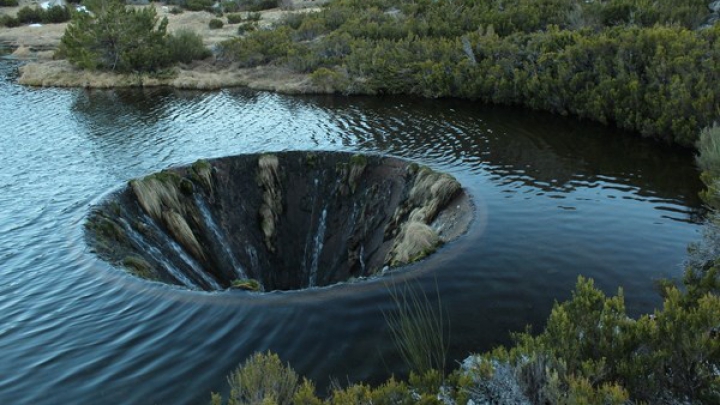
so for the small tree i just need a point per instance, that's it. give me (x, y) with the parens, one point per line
(116, 38)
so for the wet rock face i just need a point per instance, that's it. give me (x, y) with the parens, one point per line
(278, 221)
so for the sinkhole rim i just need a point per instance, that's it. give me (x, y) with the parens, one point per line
(356, 175)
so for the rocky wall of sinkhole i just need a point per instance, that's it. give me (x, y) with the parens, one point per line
(278, 221)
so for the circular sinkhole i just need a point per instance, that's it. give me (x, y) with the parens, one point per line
(278, 221)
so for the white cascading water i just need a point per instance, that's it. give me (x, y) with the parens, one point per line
(192, 263)
(143, 244)
(318, 245)
(362, 259)
(219, 237)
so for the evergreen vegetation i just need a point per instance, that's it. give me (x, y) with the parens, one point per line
(116, 38)
(216, 24)
(590, 352)
(644, 66)
(36, 15)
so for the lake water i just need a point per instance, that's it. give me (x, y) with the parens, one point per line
(554, 199)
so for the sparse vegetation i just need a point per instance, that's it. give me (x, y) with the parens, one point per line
(140, 267)
(418, 328)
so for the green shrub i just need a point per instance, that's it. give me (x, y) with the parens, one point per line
(254, 16)
(199, 5)
(8, 21)
(246, 27)
(709, 161)
(55, 15)
(263, 379)
(230, 6)
(591, 349)
(30, 15)
(259, 5)
(234, 18)
(186, 46)
(138, 39)
(8, 3)
(264, 46)
(595, 60)
(215, 24)
(176, 10)
(709, 150)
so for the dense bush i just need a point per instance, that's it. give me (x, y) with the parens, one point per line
(30, 15)
(632, 63)
(185, 46)
(591, 341)
(34, 15)
(254, 16)
(254, 5)
(215, 24)
(8, 3)
(234, 18)
(246, 27)
(122, 39)
(8, 21)
(199, 5)
(55, 15)
(709, 161)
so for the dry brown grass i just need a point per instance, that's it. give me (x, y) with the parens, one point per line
(155, 196)
(415, 241)
(271, 207)
(179, 228)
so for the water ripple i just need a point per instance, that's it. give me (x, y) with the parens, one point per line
(549, 205)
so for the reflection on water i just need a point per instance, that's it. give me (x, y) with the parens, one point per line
(554, 198)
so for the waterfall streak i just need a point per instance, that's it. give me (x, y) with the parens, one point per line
(220, 239)
(189, 261)
(156, 255)
(319, 241)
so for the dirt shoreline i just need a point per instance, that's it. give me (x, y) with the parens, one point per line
(36, 45)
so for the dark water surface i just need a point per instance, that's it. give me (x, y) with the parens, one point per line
(554, 198)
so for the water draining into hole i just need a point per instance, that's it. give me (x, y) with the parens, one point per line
(281, 221)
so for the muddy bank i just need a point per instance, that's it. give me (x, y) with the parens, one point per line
(280, 221)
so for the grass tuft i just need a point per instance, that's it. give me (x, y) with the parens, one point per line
(417, 327)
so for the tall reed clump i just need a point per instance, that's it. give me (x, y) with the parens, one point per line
(417, 327)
